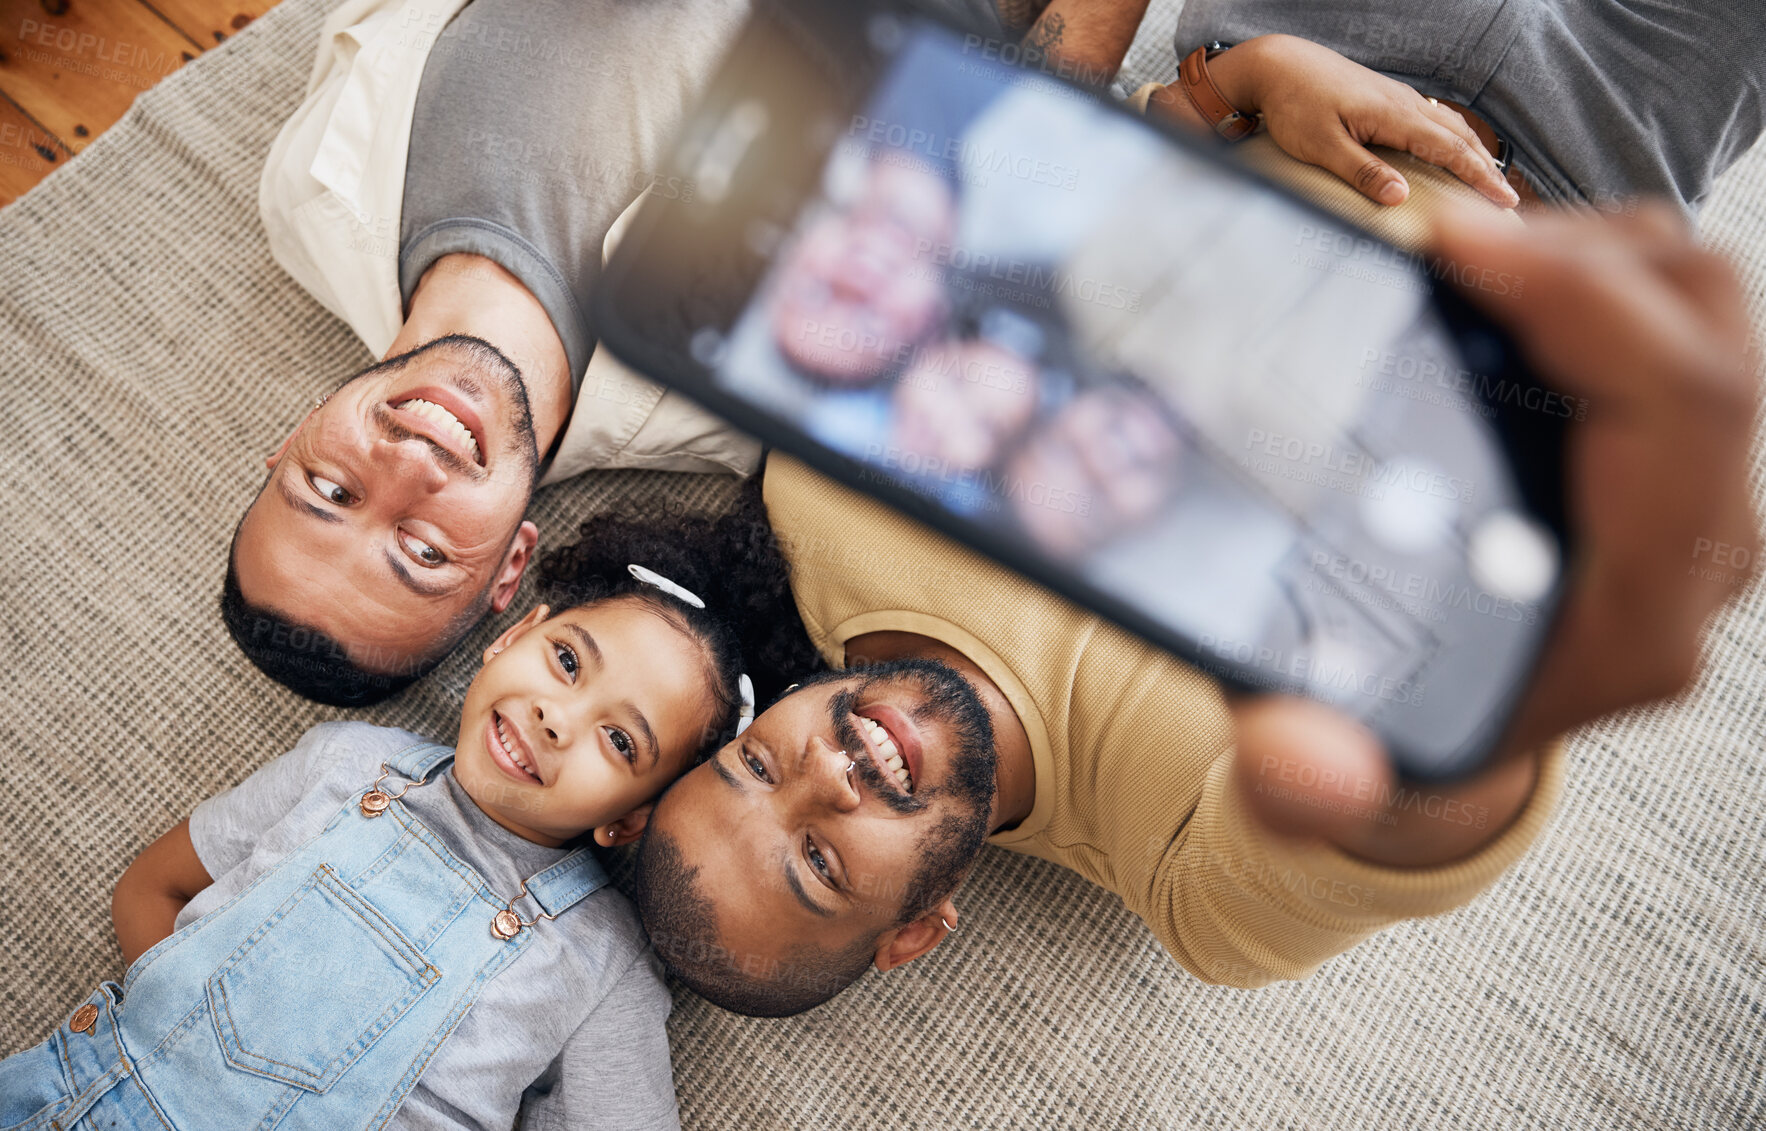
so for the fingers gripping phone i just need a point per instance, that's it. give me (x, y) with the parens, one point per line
(1112, 360)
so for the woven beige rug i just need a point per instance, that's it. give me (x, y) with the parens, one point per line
(152, 352)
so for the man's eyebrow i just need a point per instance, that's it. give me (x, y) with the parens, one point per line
(404, 575)
(298, 503)
(791, 880)
(796, 886)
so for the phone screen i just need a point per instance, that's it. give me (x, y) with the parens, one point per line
(1259, 431)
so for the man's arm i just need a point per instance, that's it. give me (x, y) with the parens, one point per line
(1239, 903)
(153, 889)
(1318, 106)
(1633, 316)
(1303, 842)
(1325, 110)
(1086, 39)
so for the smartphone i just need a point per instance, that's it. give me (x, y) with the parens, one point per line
(1113, 360)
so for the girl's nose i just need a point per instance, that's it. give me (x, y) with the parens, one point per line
(551, 722)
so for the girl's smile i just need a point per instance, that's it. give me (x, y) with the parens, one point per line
(510, 751)
(577, 721)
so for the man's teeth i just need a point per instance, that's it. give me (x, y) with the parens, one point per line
(886, 747)
(509, 748)
(431, 411)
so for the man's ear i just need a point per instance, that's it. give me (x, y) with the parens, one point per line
(508, 579)
(627, 829)
(517, 630)
(904, 944)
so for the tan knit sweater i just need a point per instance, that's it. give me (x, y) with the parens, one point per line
(1132, 748)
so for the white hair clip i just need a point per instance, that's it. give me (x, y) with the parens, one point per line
(745, 712)
(651, 577)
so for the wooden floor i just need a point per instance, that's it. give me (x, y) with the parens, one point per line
(69, 68)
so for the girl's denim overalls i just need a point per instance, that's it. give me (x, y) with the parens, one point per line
(313, 999)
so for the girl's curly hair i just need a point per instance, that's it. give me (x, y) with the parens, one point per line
(730, 561)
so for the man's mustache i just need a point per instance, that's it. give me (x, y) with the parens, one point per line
(840, 709)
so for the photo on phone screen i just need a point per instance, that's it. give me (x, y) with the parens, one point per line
(1252, 433)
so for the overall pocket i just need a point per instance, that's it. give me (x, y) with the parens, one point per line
(33, 1084)
(312, 989)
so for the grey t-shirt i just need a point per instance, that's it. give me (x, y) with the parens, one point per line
(612, 1070)
(1603, 101)
(535, 127)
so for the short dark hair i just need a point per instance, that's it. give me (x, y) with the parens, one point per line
(682, 923)
(319, 667)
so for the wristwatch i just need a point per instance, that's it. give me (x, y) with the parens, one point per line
(1198, 85)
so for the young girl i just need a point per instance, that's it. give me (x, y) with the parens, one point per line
(376, 930)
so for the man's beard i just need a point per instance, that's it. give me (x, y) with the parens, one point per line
(948, 848)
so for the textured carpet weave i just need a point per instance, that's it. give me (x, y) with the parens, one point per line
(152, 353)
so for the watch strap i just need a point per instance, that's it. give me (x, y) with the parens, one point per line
(1198, 86)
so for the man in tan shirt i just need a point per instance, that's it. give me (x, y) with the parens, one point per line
(833, 835)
